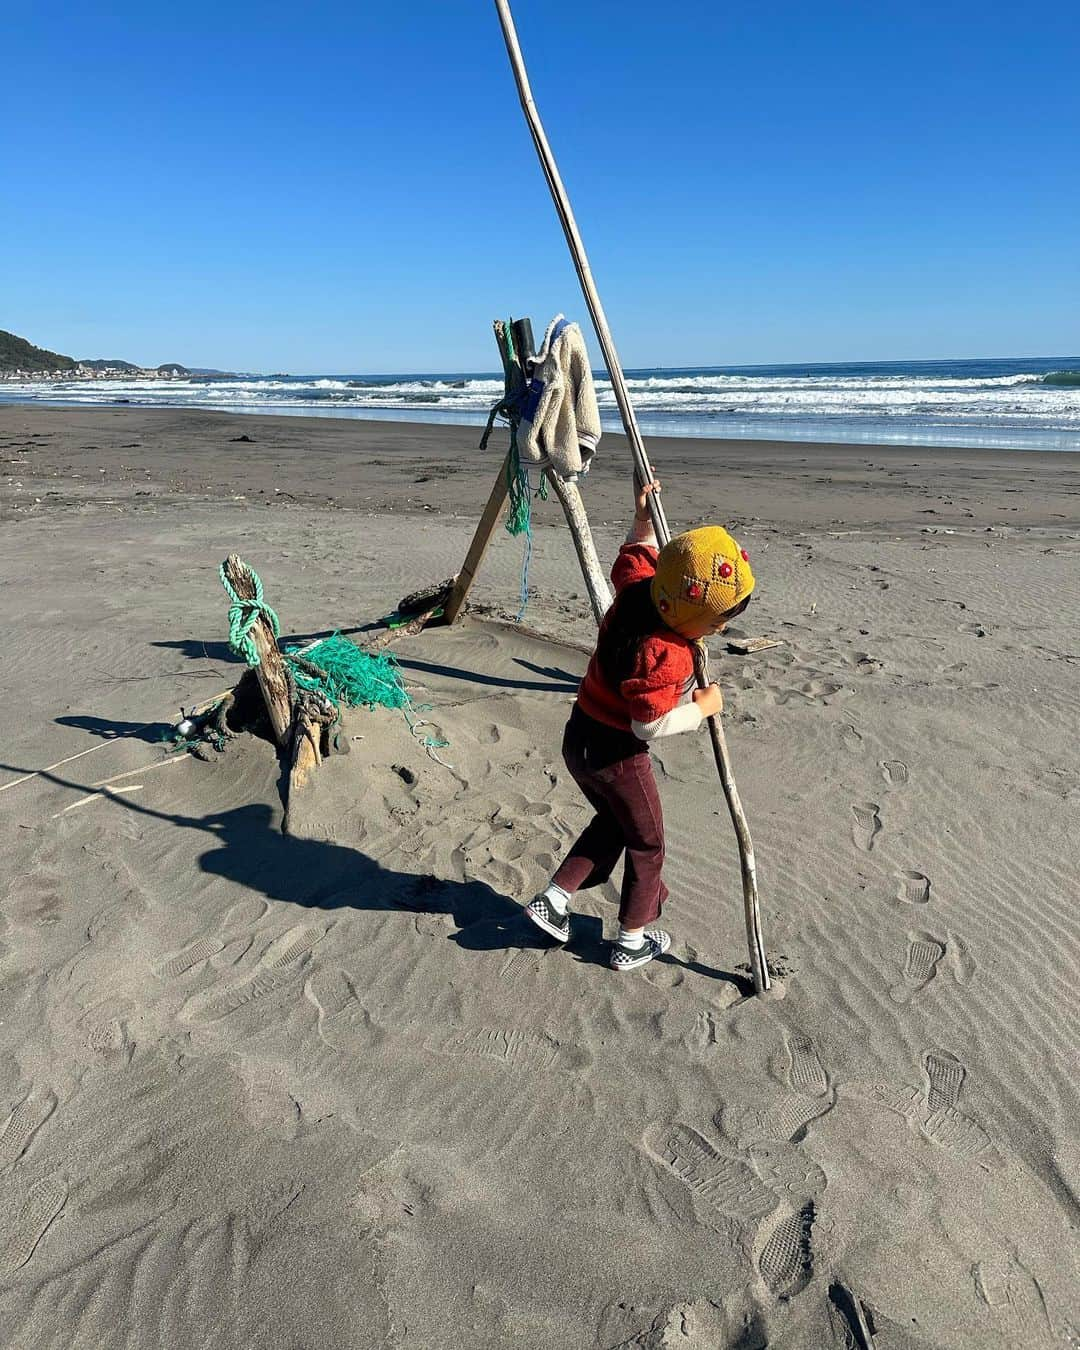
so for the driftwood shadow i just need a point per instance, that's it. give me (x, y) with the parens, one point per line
(557, 681)
(151, 732)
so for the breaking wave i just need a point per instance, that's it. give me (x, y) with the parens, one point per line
(1022, 402)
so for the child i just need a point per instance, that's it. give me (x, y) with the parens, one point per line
(640, 685)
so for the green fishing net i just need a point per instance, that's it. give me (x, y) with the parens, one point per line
(354, 677)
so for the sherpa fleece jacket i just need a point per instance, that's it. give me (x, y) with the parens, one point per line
(560, 424)
(657, 698)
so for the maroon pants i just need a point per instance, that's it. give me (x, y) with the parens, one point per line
(613, 771)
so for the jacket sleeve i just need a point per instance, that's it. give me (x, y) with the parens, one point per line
(658, 680)
(636, 562)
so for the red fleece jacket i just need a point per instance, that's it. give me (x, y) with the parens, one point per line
(663, 669)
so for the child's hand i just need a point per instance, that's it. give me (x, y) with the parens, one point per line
(710, 701)
(641, 507)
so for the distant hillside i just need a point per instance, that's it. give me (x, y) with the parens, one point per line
(109, 365)
(18, 354)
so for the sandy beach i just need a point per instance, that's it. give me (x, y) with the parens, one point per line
(331, 1090)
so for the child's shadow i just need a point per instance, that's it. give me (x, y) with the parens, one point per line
(325, 875)
(250, 850)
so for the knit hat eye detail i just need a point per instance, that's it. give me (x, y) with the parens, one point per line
(700, 576)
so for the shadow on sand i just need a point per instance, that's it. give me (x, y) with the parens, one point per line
(249, 849)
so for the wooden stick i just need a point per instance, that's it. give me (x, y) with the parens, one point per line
(270, 672)
(851, 1309)
(755, 941)
(481, 539)
(642, 468)
(580, 259)
(574, 509)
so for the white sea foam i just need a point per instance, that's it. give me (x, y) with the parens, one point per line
(849, 405)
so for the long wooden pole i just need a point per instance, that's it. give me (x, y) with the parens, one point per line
(642, 470)
(569, 496)
(481, 539)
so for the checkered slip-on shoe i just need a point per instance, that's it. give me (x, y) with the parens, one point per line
(629, 958)
(544, 914)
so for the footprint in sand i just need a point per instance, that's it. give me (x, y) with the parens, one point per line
(507, 1045)
(789, 1172)
(213, 1006)
(920, 966)
(194, 954)
(344, 1023)
(952, 1130)
(961, 961)
(912, 888)
(331, 991)
(108, 1041)
(221, 952)
(1015, 1300)
(804, 1072)
(23, 1123)
(947, 1127)
(233, 952)
(41, 1206)
(786, 1261)
(786, 1122)
(944, 1078)
(728, 1185)
(900, 1098)
(292, 945)
(851, 740)
(524, 962)
(867, 824)
(894, 771)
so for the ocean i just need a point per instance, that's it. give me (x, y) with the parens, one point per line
(1007, 403)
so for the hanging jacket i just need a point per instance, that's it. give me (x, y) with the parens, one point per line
(560, 423)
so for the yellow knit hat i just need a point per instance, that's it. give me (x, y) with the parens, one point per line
(700, 576)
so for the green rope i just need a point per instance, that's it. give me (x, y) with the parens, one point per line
(519, 512)
(245, 614)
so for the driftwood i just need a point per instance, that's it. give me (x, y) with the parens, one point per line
(574, 510)
(306, 751)
(642, 468)
(481, 539)
(271, 671)
(747, 646)
(431, 597)
(392, 635)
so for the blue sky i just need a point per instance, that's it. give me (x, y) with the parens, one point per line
(351, 188)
